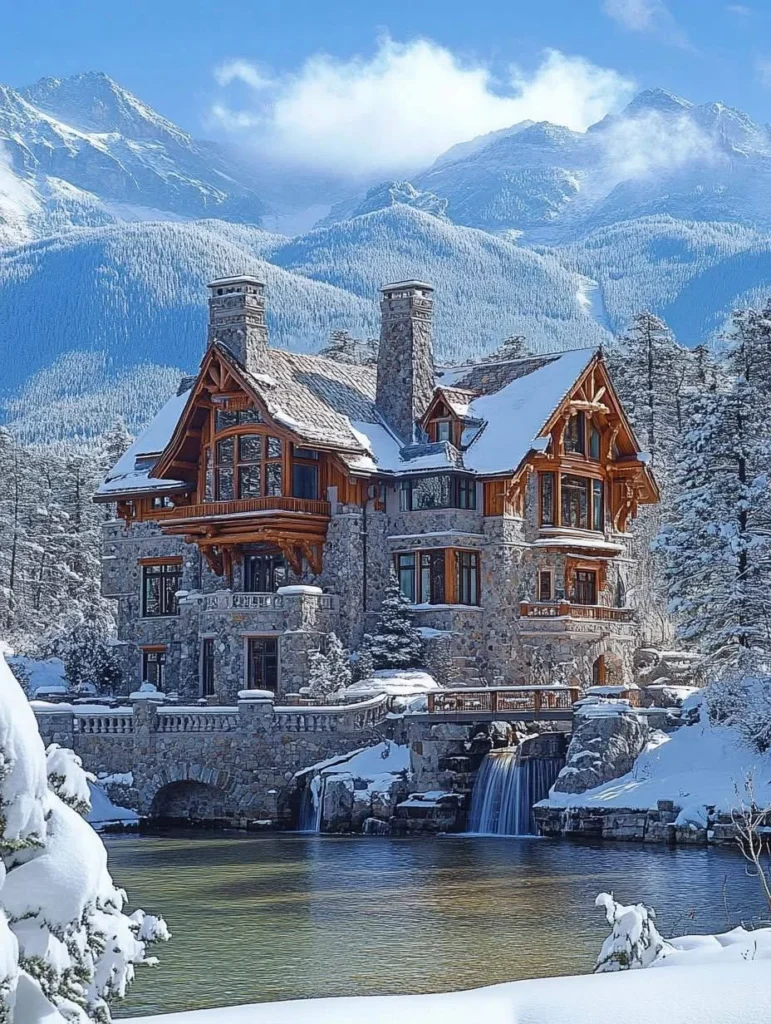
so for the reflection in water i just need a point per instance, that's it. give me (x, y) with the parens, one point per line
(286, 916)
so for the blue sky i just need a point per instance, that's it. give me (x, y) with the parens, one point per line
(243, 69)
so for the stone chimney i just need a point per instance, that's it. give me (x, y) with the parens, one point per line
(405, 365)
(237, 319)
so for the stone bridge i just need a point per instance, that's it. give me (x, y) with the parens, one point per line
(228, 764)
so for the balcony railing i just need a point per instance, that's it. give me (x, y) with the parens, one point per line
(570, 610)
(494, 700)
(223, 602)
(242, 505)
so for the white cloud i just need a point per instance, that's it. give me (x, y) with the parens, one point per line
(741, 9)
(651, 17)
(652, 143)
(398, 110)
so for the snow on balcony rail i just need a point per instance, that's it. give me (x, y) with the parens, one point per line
(570, 610)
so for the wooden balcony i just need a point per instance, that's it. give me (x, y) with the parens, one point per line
(570, 610)
(243, 506)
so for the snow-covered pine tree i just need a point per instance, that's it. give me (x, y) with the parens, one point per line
(365, 666)
(396, 643)
(88, 656)
(66, 947)
(338, 661)
(320, 683)
(718, 544)
(514, 347)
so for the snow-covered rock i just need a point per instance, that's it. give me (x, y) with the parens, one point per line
(607, 737)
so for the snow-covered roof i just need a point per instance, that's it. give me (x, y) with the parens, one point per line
(329, 403)
(130, 472)
(516, 413)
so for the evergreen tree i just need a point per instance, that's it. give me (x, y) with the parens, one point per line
(396, 643)
(514, 347)
(330, 670)
(88, 657)
(365, 666)
(320, 681)
(338, 661)
(717, 546)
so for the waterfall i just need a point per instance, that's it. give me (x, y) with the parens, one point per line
(309, 818)
(507, 785)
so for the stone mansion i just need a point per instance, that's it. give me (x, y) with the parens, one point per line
(267, 503)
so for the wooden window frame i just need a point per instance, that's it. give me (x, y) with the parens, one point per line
(474, 576)
(451, 563)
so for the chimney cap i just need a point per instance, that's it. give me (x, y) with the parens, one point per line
(407, 286)
(240, 279)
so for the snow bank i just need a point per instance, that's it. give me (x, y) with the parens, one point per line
(695, 766)
(104, 812)
(395, 682)
(736, 993)
(45, 676)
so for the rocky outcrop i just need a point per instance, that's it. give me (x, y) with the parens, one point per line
(607, 738)
(665, 823)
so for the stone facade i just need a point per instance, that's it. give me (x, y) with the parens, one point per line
(339, 546)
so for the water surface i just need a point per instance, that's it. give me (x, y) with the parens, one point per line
(287, 916)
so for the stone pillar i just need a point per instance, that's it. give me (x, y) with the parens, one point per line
(237, 319)
(255, 711)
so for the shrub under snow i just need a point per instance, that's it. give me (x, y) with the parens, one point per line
(66, 947)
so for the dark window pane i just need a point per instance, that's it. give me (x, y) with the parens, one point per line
(575, 504)
(224, 419)
(305, 453)
(273, 479)
(405, 496)
(264, 573)
(544, 585)
(467, 577)
(465, 492)
(224, 484)
(431, 492)
(405, 568)
(274, 447)
(160, 584)
(208, 486)
(305, 481)
(598, 505)
(432, 577)
(594, 443)
(207, 667)
(262, 670)
(249, 481)
(250, 448)
(443, 430)
(575, 434)
(225, 451)
(249, 416)
(585, 587)
(154, 667)
(547, 499)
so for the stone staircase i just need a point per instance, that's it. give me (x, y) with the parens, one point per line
(465, 672)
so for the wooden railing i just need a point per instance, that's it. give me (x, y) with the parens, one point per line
(494, 699)
(231, 508)
(568, 609)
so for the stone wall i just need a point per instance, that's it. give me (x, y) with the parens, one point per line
(250, 752)
(625, 824)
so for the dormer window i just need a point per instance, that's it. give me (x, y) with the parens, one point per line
(441, 425)
(443, 430)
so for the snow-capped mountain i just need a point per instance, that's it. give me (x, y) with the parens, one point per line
(534, 229)
(82, 151)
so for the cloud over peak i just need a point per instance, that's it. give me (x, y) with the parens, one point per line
(397, 110)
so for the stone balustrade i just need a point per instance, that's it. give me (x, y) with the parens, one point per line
(347, 718)
(197, 720)
(225, 601)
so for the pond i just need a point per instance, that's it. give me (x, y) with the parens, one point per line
(286, 916)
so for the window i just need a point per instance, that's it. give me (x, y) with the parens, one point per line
(262, 663)
(247, 466)
(405, 570)
(575, 434)
(545, 588)
(264, 572)
(599, 672)
(467, 577)
(594, 443)
(163, 502)
(154, 667)
(305, 481)
(426, 492)
(465, 492)
(620, 593)
(547, 499)
(598, 505)
(224, 418)
(160, 584)
(585, 587)
(443, 430)
(432, 577)
(207, 667)
(225, 449)
(575, 502)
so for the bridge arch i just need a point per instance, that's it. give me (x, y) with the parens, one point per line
(191, 792)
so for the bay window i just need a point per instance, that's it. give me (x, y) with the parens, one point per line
(439, 576)
(579, 503)
(575, 501)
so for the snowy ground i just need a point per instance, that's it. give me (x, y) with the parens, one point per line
(695, 766)
(735, 993)
(407, 682)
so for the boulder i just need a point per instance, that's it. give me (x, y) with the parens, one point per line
(605, 743)
(375, 827)
(337, 807)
